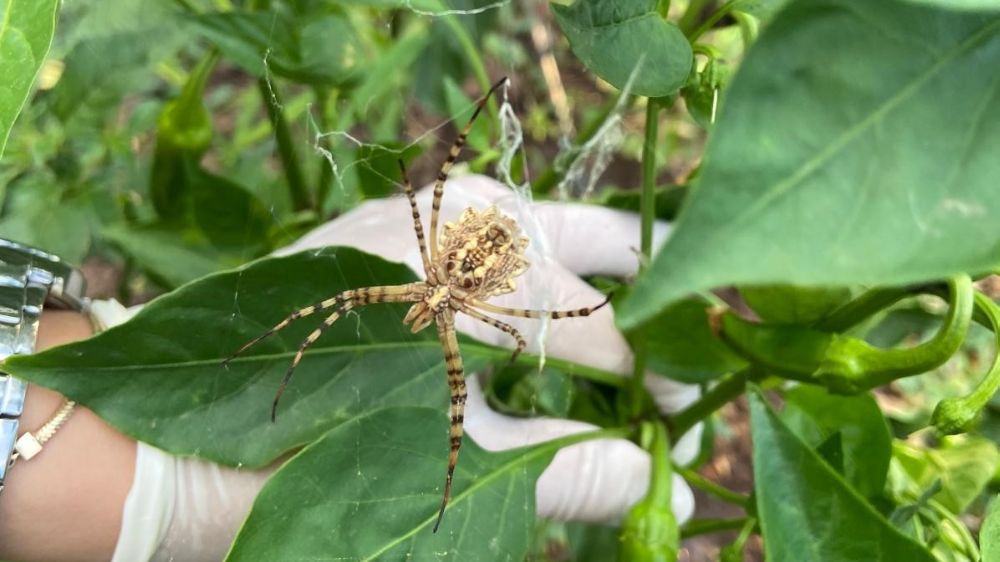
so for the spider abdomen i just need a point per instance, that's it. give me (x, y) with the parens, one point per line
(483, 252)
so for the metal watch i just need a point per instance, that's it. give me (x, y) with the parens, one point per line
(29, 279)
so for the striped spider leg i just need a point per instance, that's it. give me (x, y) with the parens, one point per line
(472, 260)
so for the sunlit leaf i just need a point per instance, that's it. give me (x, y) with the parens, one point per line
(26, 28)
(615, 38)
(868, 163)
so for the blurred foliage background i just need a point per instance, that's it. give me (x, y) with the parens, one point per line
(168, 139)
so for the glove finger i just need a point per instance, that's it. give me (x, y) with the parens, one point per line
(594, 481)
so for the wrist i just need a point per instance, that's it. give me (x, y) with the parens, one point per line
(66, 503)
(56, 327)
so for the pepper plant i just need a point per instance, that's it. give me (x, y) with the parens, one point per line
(847, 191)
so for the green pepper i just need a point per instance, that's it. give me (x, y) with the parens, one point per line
(184, 133)
(844, 363)
(649, 531)
(956, 415)
(853, 365)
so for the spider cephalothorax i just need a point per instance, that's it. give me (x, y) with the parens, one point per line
(476, 258)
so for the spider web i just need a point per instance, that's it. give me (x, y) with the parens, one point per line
(581, 165)
(589, 161)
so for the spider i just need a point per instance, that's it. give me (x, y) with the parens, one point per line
(474, 259)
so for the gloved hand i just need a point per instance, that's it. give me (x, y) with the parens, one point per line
(197, 517)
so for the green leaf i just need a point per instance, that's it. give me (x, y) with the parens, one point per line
(228, 214)
(989, 533)
(786, 304)
(40, 213)
(160, 378)
(386, 76)
(901, 323)
(668, 200)
(86, 80)
(26, 28)
(319, 49)
(963, 464)
(589, 542)
(761, 9)
(183, 134)
(962, 4)
(613, 38)
(815, 415)
(373, 484)
(681, 344)
(807, 511)
(164, 253)
(378, 168)
(460, 108)
(833, 166)
(521, 390)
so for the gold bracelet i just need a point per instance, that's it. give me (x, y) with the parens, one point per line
(30, 444)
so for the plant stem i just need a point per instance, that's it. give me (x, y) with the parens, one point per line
(663, 8)
(704, 526)
(569, 367)
(647, 201)
(325, 178)
(735, 549)
(647, 210)
(704, 484)
(712, 20)
(286, 148)
(691, 16)
(730, 387)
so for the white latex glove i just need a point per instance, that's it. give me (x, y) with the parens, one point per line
(196, 515)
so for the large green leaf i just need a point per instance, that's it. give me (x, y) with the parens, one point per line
(865, 443)
(160, 376)
(807, 511)
(616, 37)
(856, 146)
(26, 28)
(370, 490)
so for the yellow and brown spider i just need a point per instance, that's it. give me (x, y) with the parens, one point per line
(475, 259)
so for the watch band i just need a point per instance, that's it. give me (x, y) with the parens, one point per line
(29, 278)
